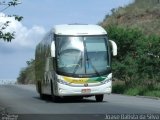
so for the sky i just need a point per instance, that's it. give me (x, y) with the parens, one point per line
(39, 17)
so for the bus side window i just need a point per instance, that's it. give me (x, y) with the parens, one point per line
(51, 63)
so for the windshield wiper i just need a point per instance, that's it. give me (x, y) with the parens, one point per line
(79, 62)
(88, 60)
(93, 67)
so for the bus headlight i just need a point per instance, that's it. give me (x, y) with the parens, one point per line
(62, 82)
(106, 80)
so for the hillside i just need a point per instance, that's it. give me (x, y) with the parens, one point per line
(136, 30)
(142, 14)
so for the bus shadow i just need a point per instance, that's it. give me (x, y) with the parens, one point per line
(48, 99)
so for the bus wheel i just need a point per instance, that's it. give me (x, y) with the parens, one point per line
(42, 96)
(54, 98)
(99, 98)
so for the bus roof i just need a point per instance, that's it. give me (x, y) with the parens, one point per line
(77, 29)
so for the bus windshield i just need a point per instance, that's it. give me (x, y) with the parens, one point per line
(82, 55)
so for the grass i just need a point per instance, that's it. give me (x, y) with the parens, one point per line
(137, 90)
(119, 89)
(154, 93)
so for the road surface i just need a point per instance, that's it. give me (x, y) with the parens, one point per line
(23, 99)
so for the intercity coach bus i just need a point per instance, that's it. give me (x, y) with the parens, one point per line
(74, 60)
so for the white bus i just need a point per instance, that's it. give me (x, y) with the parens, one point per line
(74, 60)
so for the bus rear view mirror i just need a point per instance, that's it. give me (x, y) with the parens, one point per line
(53, 49)
(114, 47)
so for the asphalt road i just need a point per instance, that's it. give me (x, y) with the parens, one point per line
(24, 100)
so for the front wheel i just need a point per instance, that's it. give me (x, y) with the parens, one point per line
(99, 98)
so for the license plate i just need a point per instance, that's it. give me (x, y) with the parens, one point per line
(86, 90)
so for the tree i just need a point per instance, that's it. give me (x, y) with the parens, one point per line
(138, 57)
(27, 74)
(8, 36)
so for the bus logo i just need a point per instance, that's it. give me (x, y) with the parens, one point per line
(86, 84)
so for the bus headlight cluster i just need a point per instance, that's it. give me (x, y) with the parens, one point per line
(62, 82)
(106, 80)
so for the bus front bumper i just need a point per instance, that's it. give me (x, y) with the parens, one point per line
(65, 90)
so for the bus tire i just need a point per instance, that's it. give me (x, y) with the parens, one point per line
(99, 98)
(42, 96)
(54, 97)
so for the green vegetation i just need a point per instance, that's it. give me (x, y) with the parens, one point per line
(136, 30)
(27, 74)
(136, 90)
(4, 35)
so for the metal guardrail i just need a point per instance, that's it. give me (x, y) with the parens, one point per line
(2, 110)
(7, 81)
